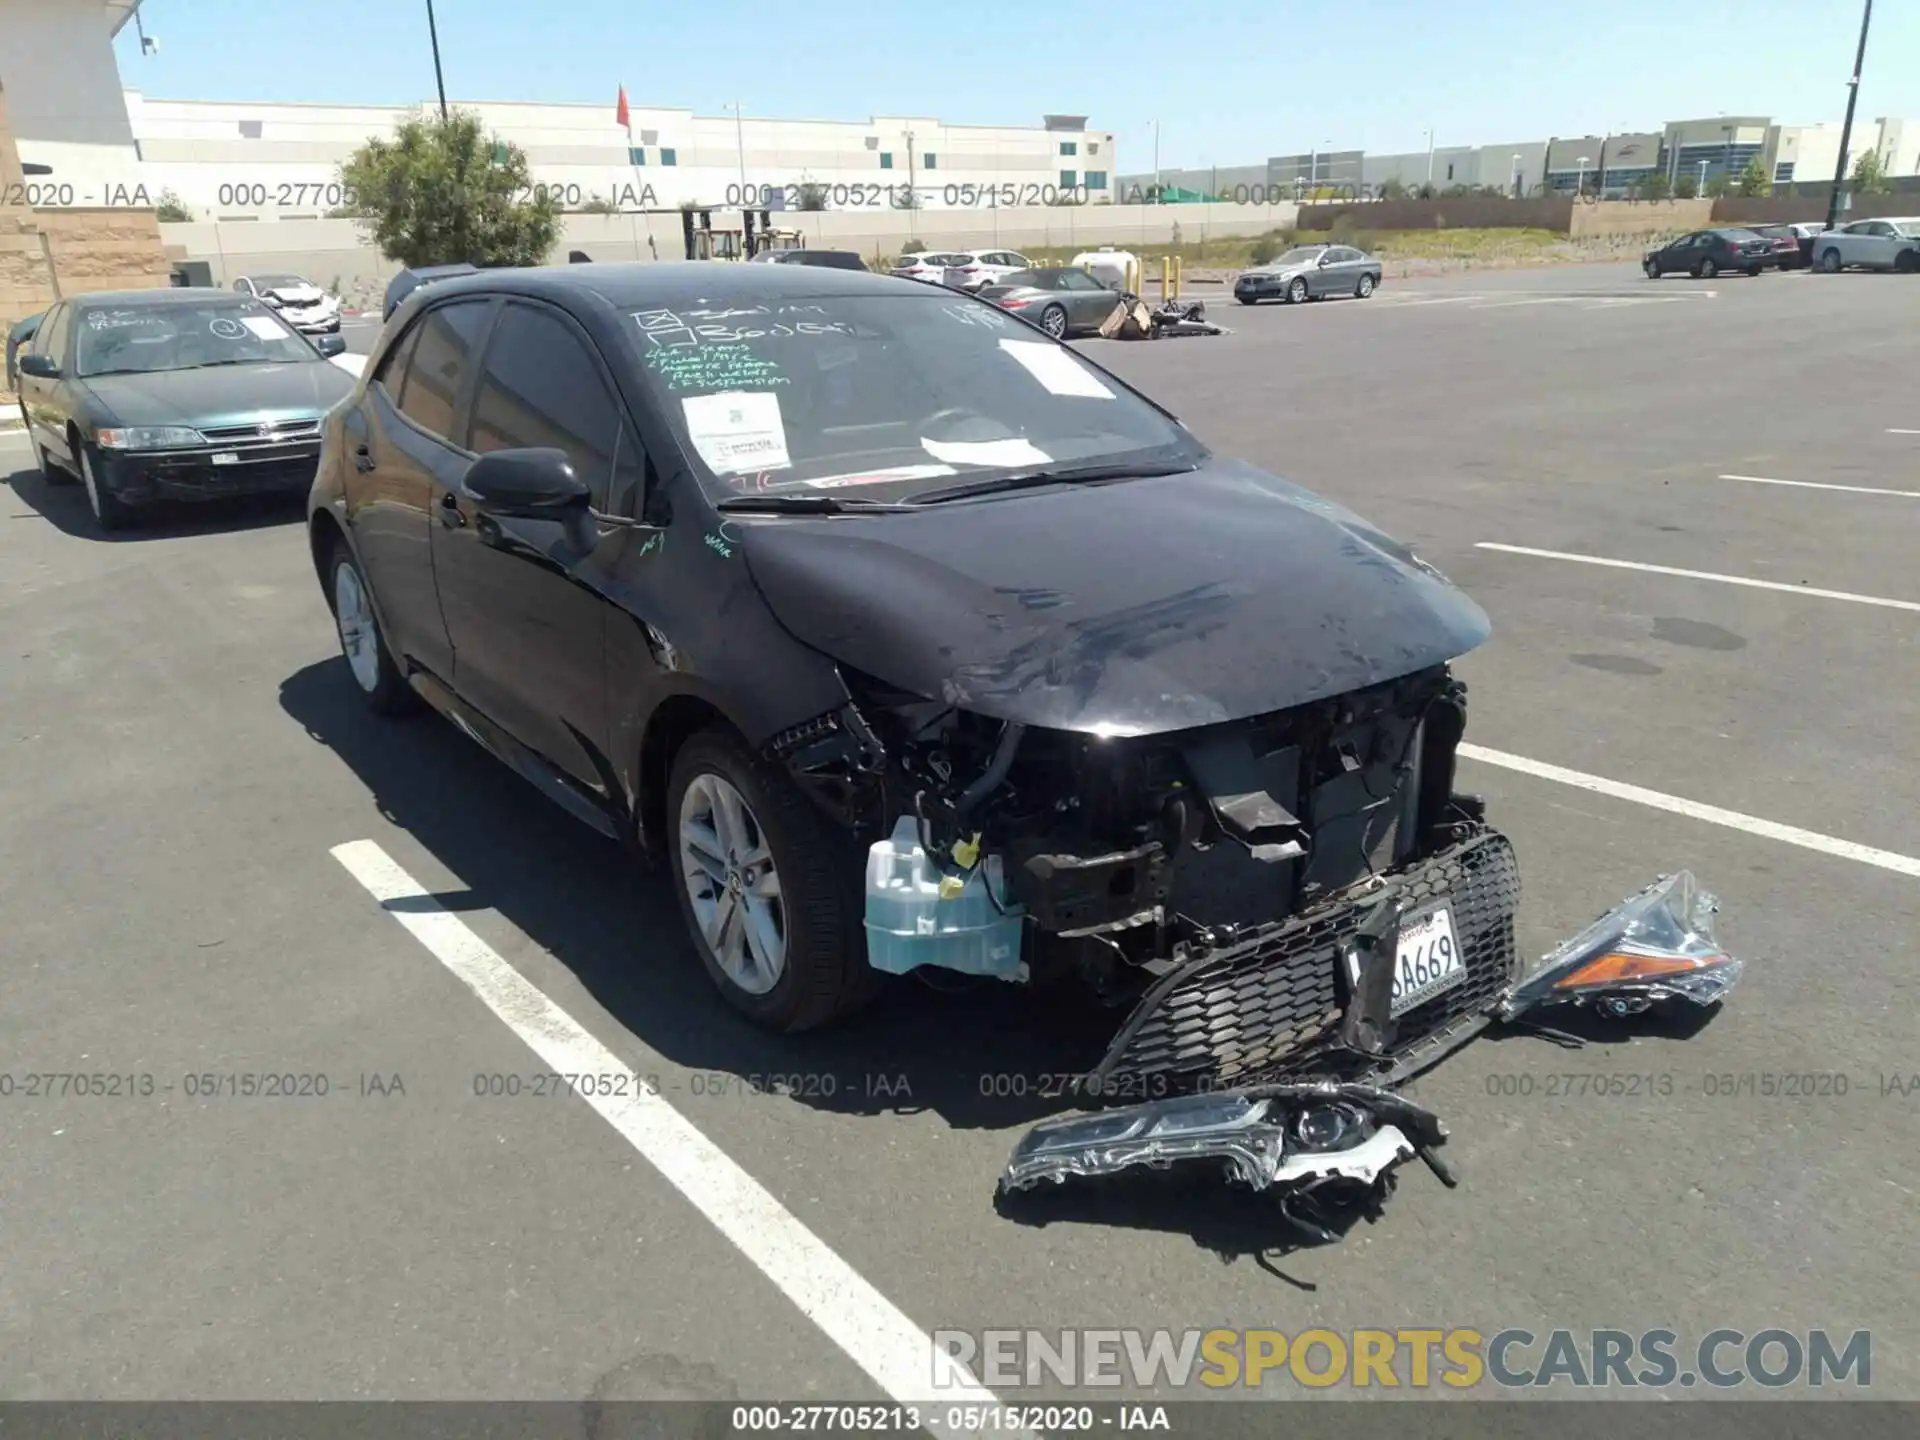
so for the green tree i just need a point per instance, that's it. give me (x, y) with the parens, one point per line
(1869, 175)
(913, 247)
(812, 195)
(1654, 185)
(1686, 188)
(1754, 180)
(600, 205)
(1719, 186)
(1393, 188)
(170, 208)
(444, 191)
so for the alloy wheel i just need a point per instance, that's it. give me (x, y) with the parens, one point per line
(727, 866)
(359, 633)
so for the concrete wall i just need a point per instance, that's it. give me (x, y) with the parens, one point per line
(1809, 209)
(335, 253)
(63, 90)
(1632, 217)
(1463, 212)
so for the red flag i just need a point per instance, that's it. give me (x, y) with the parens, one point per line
(622, 115)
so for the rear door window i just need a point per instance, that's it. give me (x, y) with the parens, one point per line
(440, 363)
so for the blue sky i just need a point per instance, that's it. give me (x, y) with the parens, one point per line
(1369, 73)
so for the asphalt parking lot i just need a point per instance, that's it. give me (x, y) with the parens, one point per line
(184, 757)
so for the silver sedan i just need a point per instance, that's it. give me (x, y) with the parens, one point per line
(1310, 272)
(1061, 300)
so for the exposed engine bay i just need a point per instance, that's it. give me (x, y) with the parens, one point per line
(1230, 866)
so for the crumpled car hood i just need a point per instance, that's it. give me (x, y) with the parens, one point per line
(1135, 608)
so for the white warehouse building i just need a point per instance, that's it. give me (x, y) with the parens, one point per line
(271, 161)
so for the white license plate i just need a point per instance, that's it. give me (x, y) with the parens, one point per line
(226, 457)
(1428, 960)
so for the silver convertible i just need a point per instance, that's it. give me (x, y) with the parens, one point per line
(1310, 272)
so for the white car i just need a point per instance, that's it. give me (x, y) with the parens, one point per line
(984, 267)
(301, 303)
(930, 266)
(1892, 243)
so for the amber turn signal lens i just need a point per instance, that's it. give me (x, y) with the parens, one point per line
(1619, 965)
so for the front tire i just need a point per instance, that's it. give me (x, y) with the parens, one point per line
(1707, 269)
(109, 512)
(1653, 270)
(1829, 262)
(1053, 320)
(1906, 262)
(1297, 292)
(362, 643)
(766, 888)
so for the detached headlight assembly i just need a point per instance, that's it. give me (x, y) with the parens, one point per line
(148, 437)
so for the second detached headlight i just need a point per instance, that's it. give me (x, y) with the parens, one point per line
(148, 437)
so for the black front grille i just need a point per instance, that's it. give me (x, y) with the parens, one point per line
(266, 430)
(1269, 1006)
(273, 473)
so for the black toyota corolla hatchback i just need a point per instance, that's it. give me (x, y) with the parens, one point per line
(909, 640)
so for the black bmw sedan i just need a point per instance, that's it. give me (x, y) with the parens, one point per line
(1705, 253)
(908, 640)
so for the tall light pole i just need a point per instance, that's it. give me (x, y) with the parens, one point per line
(1726, 157)
(740, 145)
(433, 37)
(1580, 182)
(1703, 180)
(1846, 125)
(1156, 159)
(1517, 176)
(1429, 157)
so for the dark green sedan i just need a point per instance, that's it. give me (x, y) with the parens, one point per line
(147, 396)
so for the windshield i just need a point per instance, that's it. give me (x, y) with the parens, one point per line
(889, 395)
(129, 339)
(277, 282)
(1302, 255)
(1906, 229)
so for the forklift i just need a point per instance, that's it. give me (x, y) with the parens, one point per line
(705, 241)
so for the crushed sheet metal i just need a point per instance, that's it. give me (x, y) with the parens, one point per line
(1287, 1135)
(1659, 944)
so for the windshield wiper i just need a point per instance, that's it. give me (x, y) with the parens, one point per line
(242, 360)
(1035, 479)
(803, 504)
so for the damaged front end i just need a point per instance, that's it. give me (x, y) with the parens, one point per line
(1295, 894)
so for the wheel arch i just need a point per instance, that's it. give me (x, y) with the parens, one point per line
(674, 721)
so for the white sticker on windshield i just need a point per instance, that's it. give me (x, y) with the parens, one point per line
(265, 326)
(737, 430)
(987, 452)
(1055, 368)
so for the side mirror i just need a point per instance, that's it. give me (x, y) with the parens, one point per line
(527, 485)
(1324, 261)
(39, 366)
(330, 345)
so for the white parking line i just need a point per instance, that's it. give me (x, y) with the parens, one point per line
(1903, 432)
(894, 1352)
(1821, 485)
(1702, 575)
(1693, 809)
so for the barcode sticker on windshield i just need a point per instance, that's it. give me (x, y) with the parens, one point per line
(737, 430)
(1055, 368)
(265, 326)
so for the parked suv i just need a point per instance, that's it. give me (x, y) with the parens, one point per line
(985, 267)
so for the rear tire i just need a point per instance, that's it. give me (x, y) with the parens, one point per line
(362, 642)
(1364, 288)
(1053, 320)
(1707, 269)
(813, 909)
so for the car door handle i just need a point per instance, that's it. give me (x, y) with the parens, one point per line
(451, 515)
(362, 459)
